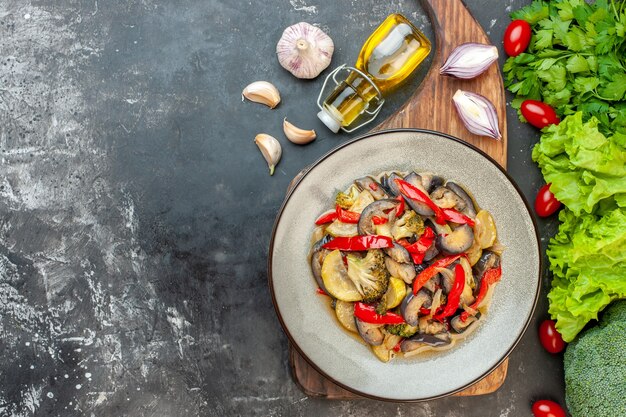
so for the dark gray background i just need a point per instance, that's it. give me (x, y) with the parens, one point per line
(135, 209)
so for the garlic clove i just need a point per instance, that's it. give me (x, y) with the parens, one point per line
(270, 148)
(469, 60)
(262, 92)
(477, 113)
(297, 135)
(304, 50)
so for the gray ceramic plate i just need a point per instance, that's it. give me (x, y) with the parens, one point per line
(306, 317)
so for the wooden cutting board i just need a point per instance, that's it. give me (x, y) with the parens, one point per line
(431, 108)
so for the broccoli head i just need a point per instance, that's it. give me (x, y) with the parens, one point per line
(408, 225)
(595, 367)
(347, 199)
(369, 274)
(402, 329)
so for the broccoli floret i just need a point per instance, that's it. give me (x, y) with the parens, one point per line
(408, 225)
(403, 329)
(381, 307)
(347, 199)
(369, 274)
(595, 367)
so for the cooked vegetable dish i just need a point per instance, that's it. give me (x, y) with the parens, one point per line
(409, 262)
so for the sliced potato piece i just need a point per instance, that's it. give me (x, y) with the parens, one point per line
(345, 314)
(335, 277)
(395, 293)
(364, 199)
(382, 353)
(338, 228)
(485, 229)
(474, 252)
(385, 351)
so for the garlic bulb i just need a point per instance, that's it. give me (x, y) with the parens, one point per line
(304, 50)
(270, 148)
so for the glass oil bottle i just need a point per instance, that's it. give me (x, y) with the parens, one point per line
(387, 58)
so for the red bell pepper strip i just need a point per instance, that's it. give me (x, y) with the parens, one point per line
(359, 243)
(457, 217)
(490, 277)
(320, 291)
(414, 193)
(400, 208)
(328, 217)
(454, 297)
(397, 347)
(379, 220)
(431, 271)
(367, 313)
(418, 249)
(346, 216)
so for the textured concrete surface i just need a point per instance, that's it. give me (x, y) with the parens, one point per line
(135, 210)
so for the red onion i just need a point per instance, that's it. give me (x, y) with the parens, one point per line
(477, 113)
(469, 60)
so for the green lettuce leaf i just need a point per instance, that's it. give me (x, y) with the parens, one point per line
(584, 166)
(588, 261)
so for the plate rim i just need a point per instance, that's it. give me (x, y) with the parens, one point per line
(294, 185)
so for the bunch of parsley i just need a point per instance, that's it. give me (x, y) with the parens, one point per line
(576, 60)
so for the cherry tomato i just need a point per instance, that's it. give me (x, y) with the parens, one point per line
(517, 37)
(550, 338)
(539, 114)
(546, 203)
(547, 408)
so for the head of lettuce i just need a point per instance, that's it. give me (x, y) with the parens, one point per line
(587, 171)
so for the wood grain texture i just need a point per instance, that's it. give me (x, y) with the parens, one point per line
(431, 107)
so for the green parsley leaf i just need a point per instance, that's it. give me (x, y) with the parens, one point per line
(614, 89)
(576, 64)
(543, 39)
(532, 13)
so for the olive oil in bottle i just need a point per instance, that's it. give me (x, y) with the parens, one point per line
(387, 58)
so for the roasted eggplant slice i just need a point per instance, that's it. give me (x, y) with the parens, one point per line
(446, 198)
(389, 184)
(488, 260)
(411, 305)
(371, 333)
(431, 181)
(459, 325)
(456, 242)
(422, 340)
(380, 208)
(370, 184)
(420, 208)
(406, 272)
(399, 254)
(470, 208)
(318, 253)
